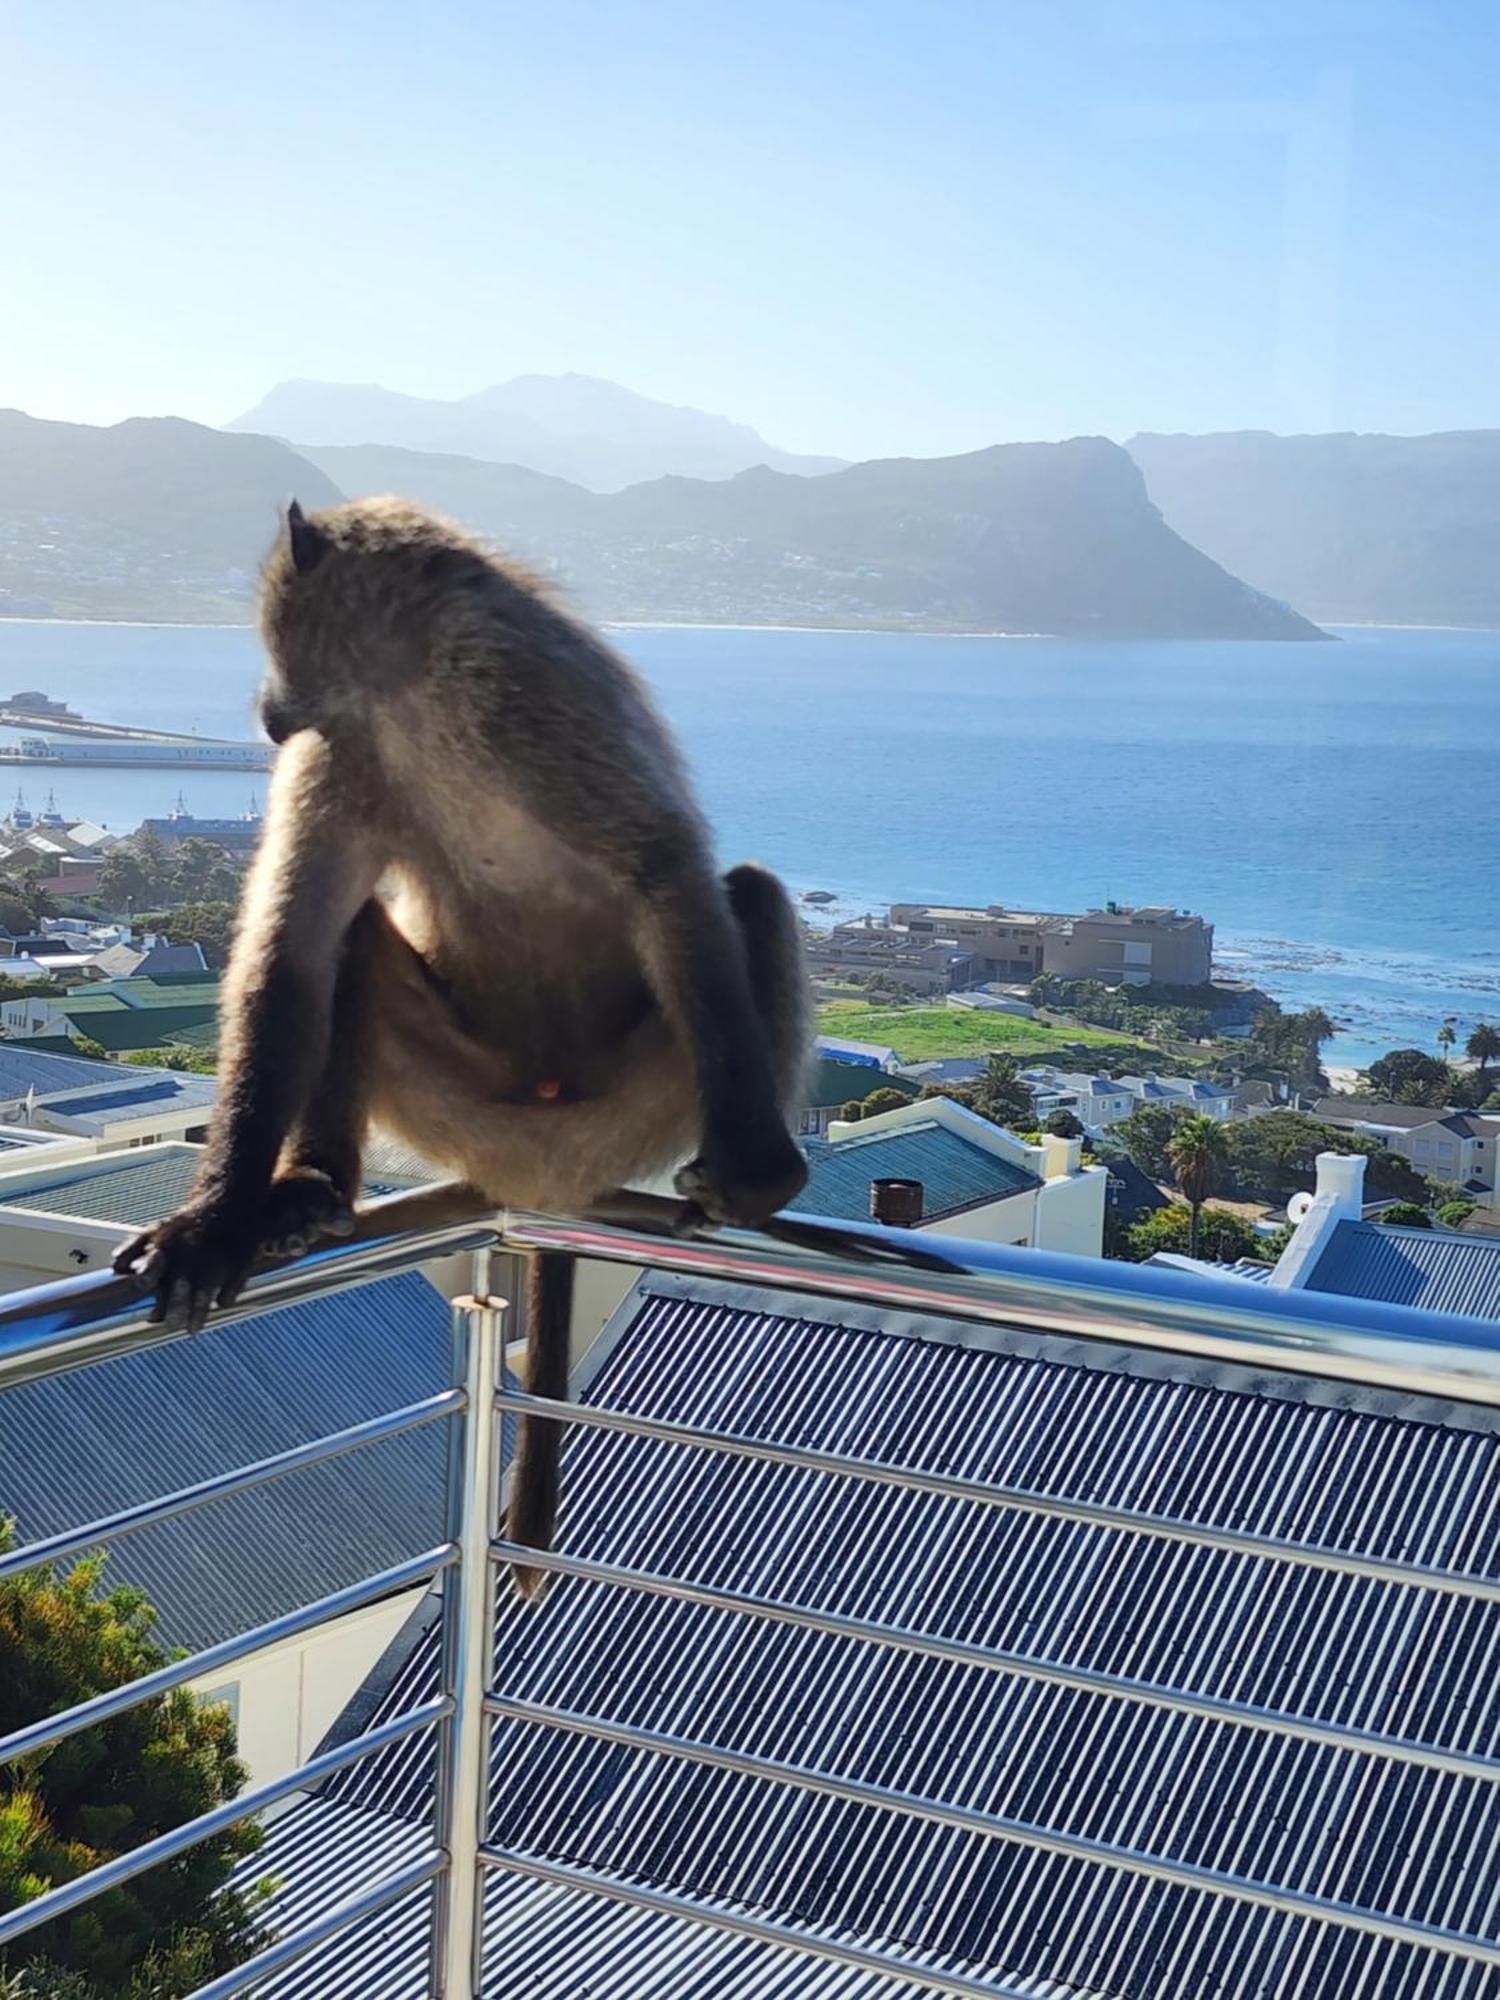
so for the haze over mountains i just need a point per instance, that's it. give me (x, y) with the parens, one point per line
(1053, 538)
(1348, 527)
(161, 518)
(577, 427)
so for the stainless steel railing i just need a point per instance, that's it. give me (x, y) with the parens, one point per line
(79, 1321)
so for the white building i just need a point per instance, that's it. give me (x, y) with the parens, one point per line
(976, 1179)
(1097, 1102)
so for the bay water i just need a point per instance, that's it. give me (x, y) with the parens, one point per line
(1334, 810)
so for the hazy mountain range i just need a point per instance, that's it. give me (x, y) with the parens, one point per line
(1056, 538)
(574, 426)
(165, 519)
(1349, 528)
(643, 510)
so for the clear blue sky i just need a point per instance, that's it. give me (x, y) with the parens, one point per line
(866, 228)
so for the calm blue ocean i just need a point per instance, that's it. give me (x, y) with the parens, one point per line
(1334, 810)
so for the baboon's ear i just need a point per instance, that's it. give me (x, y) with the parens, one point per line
(308, 543)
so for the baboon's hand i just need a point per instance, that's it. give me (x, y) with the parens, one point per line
(303, 1206)
(197, 1259)
(744, 1185)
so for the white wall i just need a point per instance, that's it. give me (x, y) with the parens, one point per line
(289, 1696)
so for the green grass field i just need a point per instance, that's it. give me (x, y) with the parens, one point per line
(922, 1034)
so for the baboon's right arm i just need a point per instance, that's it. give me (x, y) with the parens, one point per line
(317, 865)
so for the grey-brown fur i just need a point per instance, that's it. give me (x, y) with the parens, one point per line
(484, 879)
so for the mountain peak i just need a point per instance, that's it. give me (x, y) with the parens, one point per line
(583, 428)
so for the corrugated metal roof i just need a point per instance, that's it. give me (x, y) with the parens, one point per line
(23, 1068)
(1384, 1657)
(1432, 1268)
(155, 1087)
(131, 1189)
(954, 1172)
(148, 1423)
(539, 1940)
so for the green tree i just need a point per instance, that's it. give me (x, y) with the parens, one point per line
(1483, 1046)
(1447, 1035)
(1454, 1214)
(195, 864)
(123, 883)
(208, 924)
(1001, 1096)
(1146, 1135)
(1063, 1125)
(194, 1062)
(884, 1099)
(1406, 1215)
(1410, 1076)
(107, 1790)
(1198, 1155)
(1222, 1235)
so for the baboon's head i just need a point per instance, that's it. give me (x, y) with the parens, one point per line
(350, 597)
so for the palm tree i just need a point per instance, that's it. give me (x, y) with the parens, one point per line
(1197, 1152)
(1483, 1046)
(1447, 1035)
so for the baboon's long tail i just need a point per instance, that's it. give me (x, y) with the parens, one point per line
(534, 1487)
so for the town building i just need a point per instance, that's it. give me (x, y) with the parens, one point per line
(1119, 945)
(962, 1176)
(1460, 1148)
(865, 950)
(1182, 1093)
(1003, 944)
(1097, 1102)
(112, 1105)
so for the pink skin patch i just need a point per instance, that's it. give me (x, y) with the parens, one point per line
(549, 1090)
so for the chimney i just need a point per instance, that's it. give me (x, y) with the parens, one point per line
(1060, 1156)
(1342, 1175)
(896, 1202)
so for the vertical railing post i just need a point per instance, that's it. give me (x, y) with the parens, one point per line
(467, 1650)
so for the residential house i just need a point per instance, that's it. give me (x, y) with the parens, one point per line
(963, 1177)
(1458, 1147)
(1121, 946)
(1085, 1602)
(59, 1219)
(1097, 1102)
(1337, 1247)
(833, 1084)
(134, 1013)
(866, 1055)
(110, 1104)
(1184, 1093)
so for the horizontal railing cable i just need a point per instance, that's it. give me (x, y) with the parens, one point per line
(166, 1847)
(1022, 1666)
(336, 1444)
(1022, 1833)
(1019, 1499)
(763, 1930)
(99, 1708)
(342, 1917)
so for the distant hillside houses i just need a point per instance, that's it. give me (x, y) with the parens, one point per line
(945, 948)
(62, 855)
(159, 1009)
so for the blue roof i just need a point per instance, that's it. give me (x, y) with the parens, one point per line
(148, 1423)
(955, 1172)
(23, 1069)
(1432, 1268)
(157, 1088)
(1386, 1657)
(129, 1188)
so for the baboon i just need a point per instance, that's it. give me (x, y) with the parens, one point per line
(483, 916)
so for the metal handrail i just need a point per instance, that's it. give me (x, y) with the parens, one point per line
(1206, 1319)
